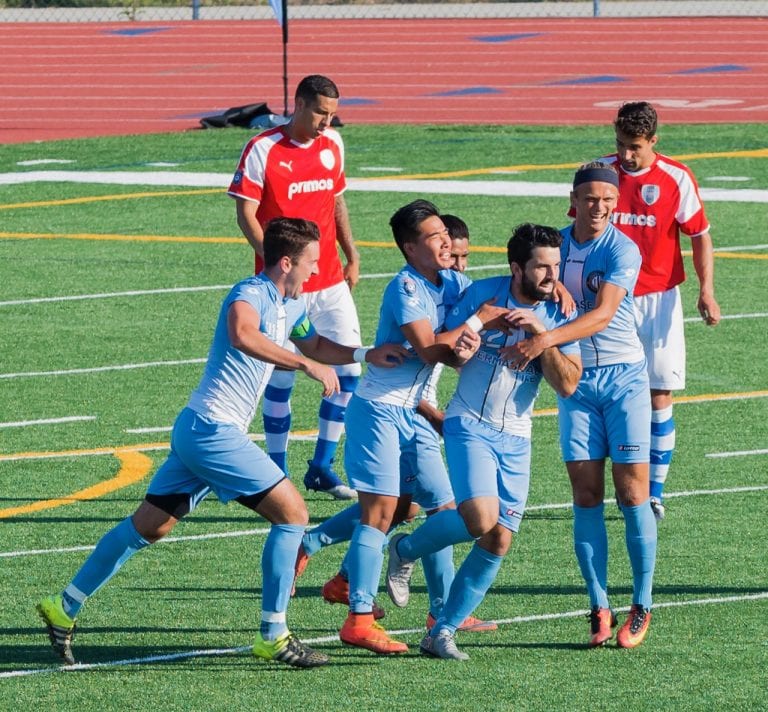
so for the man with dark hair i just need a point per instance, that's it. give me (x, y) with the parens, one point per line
(487, 432)
(211, 450)
(380, 417)
(658, 200)
(297, 170)
(611, 410)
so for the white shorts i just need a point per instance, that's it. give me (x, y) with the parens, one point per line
(659, 318)
(333, 313)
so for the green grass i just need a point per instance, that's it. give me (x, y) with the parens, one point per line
(204, 595)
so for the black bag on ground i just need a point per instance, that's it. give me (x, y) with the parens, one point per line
(241, 116)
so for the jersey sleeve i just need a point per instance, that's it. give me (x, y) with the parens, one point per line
(463, 309)
(623, 265)
(248, 181)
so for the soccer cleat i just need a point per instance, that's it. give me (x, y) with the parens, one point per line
(601, 622)
(659, 510)
(363, 632)
(290, 650)
(399, 573)
(302, 559)
(442, 645)
(635, 628)
(61, 628)
(470, 624)
(336, 590)
(324, 479)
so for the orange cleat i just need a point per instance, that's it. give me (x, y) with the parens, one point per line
(601, 621)
(336, 590)
(470, 624)
(362, 631)
(302, 559)
(634, 630)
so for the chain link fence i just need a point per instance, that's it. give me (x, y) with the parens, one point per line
(177, 10)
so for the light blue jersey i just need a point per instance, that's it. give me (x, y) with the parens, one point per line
(488, 390)
(614, 258)
(233, 382)
(408, 298)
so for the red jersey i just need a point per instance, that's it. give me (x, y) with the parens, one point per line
(294, 180)
(655, 205)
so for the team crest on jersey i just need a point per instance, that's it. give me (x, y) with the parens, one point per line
(327, 158)
(650, 194)
(409, 286)
(238, 177)
(594, 279)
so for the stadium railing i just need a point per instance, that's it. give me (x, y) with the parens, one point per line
(176, 10)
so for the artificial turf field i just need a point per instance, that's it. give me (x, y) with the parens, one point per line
(108, 300)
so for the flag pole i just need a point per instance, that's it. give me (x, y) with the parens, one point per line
(285, 56)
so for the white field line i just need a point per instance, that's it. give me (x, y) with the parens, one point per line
(259, 532)
(535, 189)
(737, 453)
(180, 290)
(326, 639)
(48, 421)
(186, 362)
(100, 369)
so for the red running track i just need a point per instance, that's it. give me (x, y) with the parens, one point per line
(78, 80)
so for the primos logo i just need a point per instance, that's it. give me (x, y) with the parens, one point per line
(593, 281)
(309, 186)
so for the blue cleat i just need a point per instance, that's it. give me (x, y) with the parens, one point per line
(324, 479)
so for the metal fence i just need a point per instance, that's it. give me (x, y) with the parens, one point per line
(175, 10)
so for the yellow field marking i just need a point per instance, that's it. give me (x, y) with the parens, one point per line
(134, 466)
(119, 238)
(114, 196)
(529, 167)
(241, 240)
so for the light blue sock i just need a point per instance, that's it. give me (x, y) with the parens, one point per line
(473, 579)
(331, 422)
(590, 542)
(641, 546)
(365, 559)
(333, 530)
(277, 561)
(438, 531)
(113, 550)
(439, 573)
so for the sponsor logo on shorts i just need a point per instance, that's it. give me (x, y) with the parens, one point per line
(629, 448)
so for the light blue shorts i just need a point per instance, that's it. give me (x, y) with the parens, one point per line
(608, 416)
(422, 468)
(209, 456)
(483, 462)
(377, 434)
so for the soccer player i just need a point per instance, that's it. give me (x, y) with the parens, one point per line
(424, 484)
(609, 414)
(658, 200)
(297, 170)
(380, 415)
(488, 432)
(211, 450)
